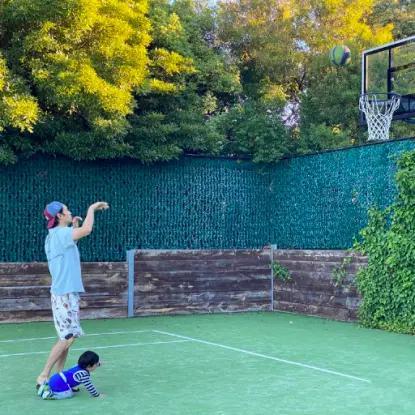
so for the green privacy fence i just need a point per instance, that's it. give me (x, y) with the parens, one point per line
(316, 201)
(321, 201)
(191, 203)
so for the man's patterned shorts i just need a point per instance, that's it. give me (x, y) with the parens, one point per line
(65, 310)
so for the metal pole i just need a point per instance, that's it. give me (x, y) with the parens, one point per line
(363, 85)
(390, 74)
(130, 293)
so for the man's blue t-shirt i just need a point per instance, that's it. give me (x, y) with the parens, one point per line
(64, 261)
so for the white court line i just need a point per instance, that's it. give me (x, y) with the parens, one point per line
(97, 347)
(290, 362)
(86, 335)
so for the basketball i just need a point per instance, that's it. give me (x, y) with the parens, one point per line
(340, 55)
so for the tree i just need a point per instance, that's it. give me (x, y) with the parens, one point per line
(261, 38)
(126, 78)
(189, 82)
(82, 59)
(329, 115)
(329, 104)
(398, 13)
(282, 48)
(252, 130)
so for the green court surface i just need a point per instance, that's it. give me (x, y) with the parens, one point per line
(227, 364)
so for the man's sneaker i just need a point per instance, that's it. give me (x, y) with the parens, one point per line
(41, 388)
(44, 391)
(47, 394)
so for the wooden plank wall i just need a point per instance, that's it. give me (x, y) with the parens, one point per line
(201, 281)
(312, 289)
(192, 281)
(24, 291)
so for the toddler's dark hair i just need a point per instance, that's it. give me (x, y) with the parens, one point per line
(87, 358)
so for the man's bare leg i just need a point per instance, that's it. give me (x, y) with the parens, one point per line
(60, 363)
(58, 353)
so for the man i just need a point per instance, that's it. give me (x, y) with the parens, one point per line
(65, 268)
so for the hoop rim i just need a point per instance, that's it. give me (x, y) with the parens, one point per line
(390, 95)
(404, 113)
(370, 100)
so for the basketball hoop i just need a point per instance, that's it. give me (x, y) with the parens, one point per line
(378, 109)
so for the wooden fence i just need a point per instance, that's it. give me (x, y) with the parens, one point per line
(25, 296)
(202, 281)
(322, 283)
(193, 281)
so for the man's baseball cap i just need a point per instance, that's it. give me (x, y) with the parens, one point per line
(50, 212)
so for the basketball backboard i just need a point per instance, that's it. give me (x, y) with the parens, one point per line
(390, 69)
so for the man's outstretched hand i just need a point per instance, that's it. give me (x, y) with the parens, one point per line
(99, 206)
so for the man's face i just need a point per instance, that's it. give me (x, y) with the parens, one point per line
(65, 218)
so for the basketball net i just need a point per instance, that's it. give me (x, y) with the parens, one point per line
(378, 112)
